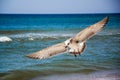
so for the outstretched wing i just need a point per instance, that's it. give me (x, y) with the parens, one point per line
(49, 51)
(90, 31)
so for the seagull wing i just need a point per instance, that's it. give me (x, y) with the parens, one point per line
(91, 30)
(49, 51)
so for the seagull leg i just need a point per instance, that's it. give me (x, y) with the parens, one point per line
(75, 55)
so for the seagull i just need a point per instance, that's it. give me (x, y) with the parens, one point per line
(76, 44)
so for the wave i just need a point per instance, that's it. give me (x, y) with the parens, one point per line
(56, 35)
(108, 34)
(98, 75)
(5, 39)
(47, 35)
(39, 36)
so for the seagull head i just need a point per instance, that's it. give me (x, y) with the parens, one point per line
(68, 41)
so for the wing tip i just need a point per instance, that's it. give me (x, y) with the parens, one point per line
(106, 18)
(33, 56)
(103, 22)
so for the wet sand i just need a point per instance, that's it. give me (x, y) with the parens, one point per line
(101, 75)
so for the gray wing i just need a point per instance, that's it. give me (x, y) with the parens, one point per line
(49, 51)
(77, 43)
(91, 30)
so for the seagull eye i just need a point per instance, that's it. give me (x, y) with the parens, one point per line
(77, 41)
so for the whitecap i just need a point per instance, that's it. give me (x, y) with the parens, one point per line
(5, 39)
(31, 39)
(32, 36)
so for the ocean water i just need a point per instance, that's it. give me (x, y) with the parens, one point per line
(30, 33)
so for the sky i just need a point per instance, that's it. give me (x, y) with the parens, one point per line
(58, 6)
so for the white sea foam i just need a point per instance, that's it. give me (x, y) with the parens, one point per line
(31, 39)
(53, 35)
(41, 35)
(5, 39)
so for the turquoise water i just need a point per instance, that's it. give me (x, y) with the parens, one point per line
(30, 33)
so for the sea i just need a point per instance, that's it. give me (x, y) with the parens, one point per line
(23, 34)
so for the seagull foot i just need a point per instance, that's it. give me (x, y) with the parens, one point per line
(75, 55)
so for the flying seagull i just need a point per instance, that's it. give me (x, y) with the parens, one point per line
(76, 44)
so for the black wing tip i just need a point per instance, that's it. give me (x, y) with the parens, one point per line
(106, 19)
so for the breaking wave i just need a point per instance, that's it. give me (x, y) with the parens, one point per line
(48, 35)
(5, 39)
(41, 35)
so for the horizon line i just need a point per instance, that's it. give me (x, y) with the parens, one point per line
(55, 13)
